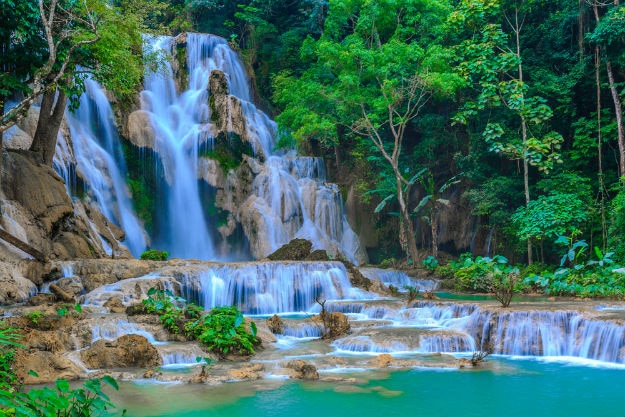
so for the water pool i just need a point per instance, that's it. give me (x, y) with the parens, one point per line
(511, 388)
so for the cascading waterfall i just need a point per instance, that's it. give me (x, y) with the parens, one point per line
(98, 159)
(290, 197)
(269, 287)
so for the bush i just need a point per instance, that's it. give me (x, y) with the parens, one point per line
(155, 255)
(223, 330)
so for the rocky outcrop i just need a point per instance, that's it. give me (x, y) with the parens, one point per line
(295, 250)
(302, 369)
(140, 130)
(275, 324)
(128, 351)
(251, 372)
(37, 210)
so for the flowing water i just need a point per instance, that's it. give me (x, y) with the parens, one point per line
(289, 195)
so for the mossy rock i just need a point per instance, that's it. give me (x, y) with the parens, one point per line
(228, 150)
(295, 250)
(318, 255)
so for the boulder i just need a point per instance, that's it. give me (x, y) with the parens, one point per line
(250, 372)
(128, 351)
(295, 250)
(302, 370)
(47, 366)
(140, 130)
(381, 361)
(275, 324)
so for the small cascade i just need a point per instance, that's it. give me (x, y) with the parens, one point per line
(447, 343)
(269, 287)
(99, 163)
(112, 330)
(398, 279)
(302, 330)
(558, 333)
(180, 354)
(131, 290)
(365, 344)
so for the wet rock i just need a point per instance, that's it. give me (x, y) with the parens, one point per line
(295, 250)
(114, 304)
(335, 324)
(248, 372)
(381, 361)
(318, 255)
(275, 324)
(48, 367)
(128, 351)
(140, 130)
(302, 370)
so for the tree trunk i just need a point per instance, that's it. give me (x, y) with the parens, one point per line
(434, 225)
(2, 101)
(526, 185)
(406, 221)
(618, 110)
(602, 190)
(50, 118)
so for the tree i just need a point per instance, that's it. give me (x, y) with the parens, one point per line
(87, 38)
(609, 35)
(372, 71)
(431, 201)
(495, 69)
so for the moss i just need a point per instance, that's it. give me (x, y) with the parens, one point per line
(227, 150)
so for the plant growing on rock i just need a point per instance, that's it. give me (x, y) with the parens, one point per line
(155, 255)
(413, 293)
(163, 303)
(223, 331)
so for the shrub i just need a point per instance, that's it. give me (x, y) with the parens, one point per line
(222, 330)
(155, 255)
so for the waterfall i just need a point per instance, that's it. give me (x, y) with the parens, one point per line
(99, 162)
(289, 196)
(268, 287)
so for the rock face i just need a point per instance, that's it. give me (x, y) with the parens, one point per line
(128, 351)
(37, 210)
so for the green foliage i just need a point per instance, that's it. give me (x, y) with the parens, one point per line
(155, 255)
(223, 330)
(60, 401)
(482, 274)
(35, 316)
(413, 293)
(430, 263)
(617, 226)
(548, 216)
(166, 305)
(9, 340)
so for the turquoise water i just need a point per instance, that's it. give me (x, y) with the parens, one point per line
(506, 388)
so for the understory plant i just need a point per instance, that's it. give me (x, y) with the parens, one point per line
(221, 330)
(60, 401)
(155, 255)
(580, 276)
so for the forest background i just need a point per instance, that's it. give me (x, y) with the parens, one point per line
(513, 105)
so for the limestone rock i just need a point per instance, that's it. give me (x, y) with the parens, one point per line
(295, 250)
(381, 361)
(14, 288)
(128, 351)
(251, 371)
(318, 255)
(47, 365)
(140, 130)
(275, 324)
(302, 370)
(114, 304)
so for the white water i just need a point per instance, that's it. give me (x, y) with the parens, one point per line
(269, 287)
(97, 154)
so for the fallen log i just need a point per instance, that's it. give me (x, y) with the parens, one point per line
(8, 237)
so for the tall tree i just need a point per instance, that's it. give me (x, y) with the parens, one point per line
(87, 38)
(491, 62)
(372, 71)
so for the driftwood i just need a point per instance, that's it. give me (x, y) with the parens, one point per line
(7, 237)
